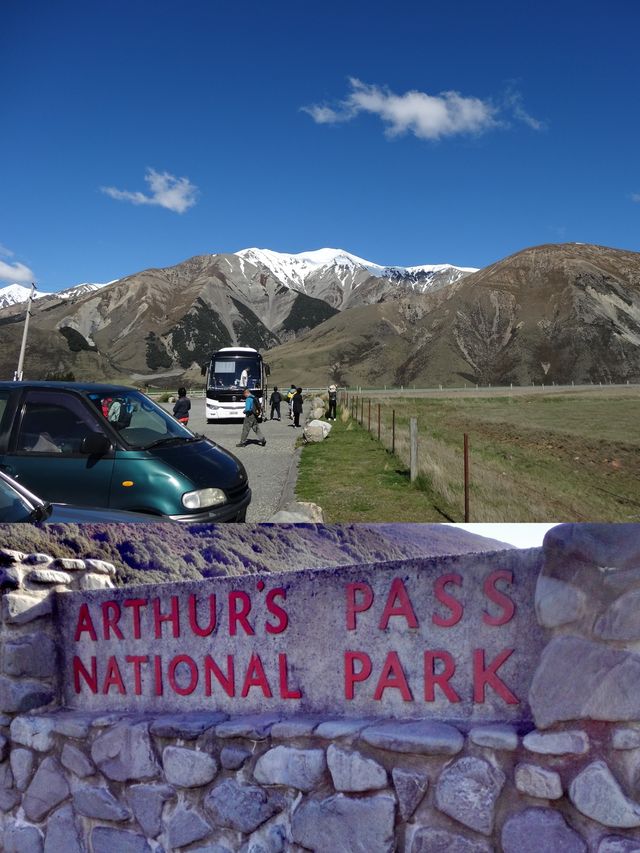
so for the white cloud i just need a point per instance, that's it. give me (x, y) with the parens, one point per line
(6, 253)
(177, 194)
(426, 116)
(16, 273)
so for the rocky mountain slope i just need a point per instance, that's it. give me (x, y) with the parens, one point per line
(165, 322)
(552, 313)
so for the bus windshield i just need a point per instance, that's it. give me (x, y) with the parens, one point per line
(235, 373)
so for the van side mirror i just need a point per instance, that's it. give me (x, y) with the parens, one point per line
(95, 445)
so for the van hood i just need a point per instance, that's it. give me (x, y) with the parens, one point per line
(205, 463)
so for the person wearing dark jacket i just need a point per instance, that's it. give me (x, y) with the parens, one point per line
(182, 407)
(333, 402)
(296, 406)
(275, 399)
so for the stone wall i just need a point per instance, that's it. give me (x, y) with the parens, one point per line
(74, 781)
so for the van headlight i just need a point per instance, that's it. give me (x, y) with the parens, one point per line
(203, 498)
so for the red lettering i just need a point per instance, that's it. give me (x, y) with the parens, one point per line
(352, 677)
(193, 616)
(85, 623)
(158, 687)
(433, 679)
(113, 678)
(449, 601)
(227, 682)
(285, 693)
(136, 604)
(497, 597)
(110, 619)
(137, 661)
(392, 676)
(193, 675)
(91, 679)
(239, 615)
(354, 606)
(398, 593)
(487, 675)
(256, 677)
(279, 612)
(160, 618)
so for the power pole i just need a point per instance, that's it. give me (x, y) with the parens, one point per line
(17, 376)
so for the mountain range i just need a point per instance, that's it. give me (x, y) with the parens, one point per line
(551, 313)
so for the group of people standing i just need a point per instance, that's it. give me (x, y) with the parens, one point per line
(293, 398)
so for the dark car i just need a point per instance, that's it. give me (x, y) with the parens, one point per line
(18, 505)
(111, 446)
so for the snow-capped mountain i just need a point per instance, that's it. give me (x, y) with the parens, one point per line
(15, 294)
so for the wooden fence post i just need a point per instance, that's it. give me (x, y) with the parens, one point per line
(369, 420)
(378, 421)
(466, 478)
(413, 430)
(393, 431)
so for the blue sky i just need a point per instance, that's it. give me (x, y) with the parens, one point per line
(299, 125)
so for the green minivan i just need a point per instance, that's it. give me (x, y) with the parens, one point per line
(111, 446)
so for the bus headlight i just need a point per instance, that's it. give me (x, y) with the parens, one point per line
(203, 498)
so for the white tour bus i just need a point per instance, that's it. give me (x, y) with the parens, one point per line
(230, 371)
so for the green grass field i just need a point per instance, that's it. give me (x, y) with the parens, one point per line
(534, 457)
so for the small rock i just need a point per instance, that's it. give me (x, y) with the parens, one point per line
(32, 655)
(298, 512)
(34, 732)
(68, 564)
(334, 729)
(621, 620)
(467, 791)
(233, 757)
(19, 608)
(99, 803)
(619, 844)
(107, 840)
(557, 602)
(100, 567)
(48, 576)
(89, 582)
(428, 839)
(71, 724)
(21, 761)
(147, 802)
(352, 771)
(124, 752)
(38, 560)
(11, 577)
(345, 824)
(185, 826)
(20, 696)
(597, 794)
(625, 738)
(294, 727)
(536, 830)
(557, 743)
(538, 782)
(496, 736)
(303, 769)
(76, 761)
(239, 807)
(188, 768)
(425, 737)
(606, 545)
(8, 556)
(48, 789)
(185, 726)
(19, 838)
(62, 833)
(252, 726)
(410, 789)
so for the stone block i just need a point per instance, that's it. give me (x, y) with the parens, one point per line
(34, 732)
(32, 655)
(316, 430)
(68, 564)
(557, 602)
(606, 545)
(49, 576)
(467, 791)
(76, 761)
(185, 726)
(62, 833)
(21, 761)
(100, 567)
(185, 826)
(38, 560)
(233, 757)
(125, 752)
(625, 738)
(619, 844)
(621, 619)
(538, 782)
(240, 807)
(496, 736)
(557, 743)
(345, 727)
(410, 788)
(11, 577)
(47, 790)
(104, 839)
(91, 581)
(9, 556)
(147, 802)
(19, 838)
(71, 723)
(188, 768)
(252, 726)
(538, 829)
(429, 839)
(99, 803)
(426, 737)
(303, 769)
(352, 771)
(294, 727)
(598, 795)
(346, 824)
(20, 608)
(21, 695)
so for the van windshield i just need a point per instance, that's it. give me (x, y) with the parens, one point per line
(228, 373)
(139, 420)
